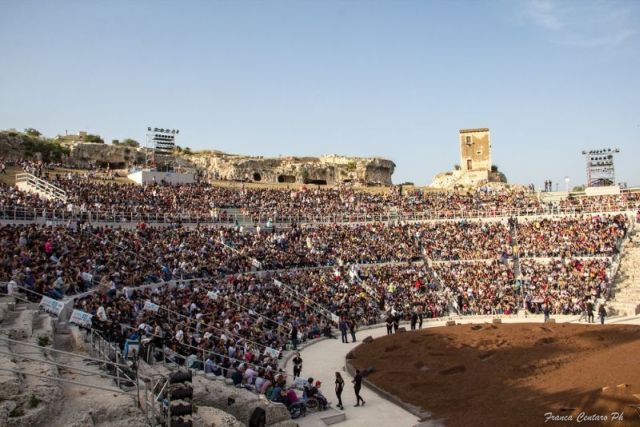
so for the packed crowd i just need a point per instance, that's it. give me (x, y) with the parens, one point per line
(226, 324)
(64, 260)
(228, 299)
(204, 202)
(61, 260)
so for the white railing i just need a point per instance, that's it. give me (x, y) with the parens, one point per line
(22, 213)
(40, 185)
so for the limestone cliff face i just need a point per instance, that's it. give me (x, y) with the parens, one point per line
(316, 170)
(115, 156)
(466, 179)
(328, 170)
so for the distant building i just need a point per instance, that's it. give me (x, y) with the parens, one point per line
(475, 150)
(71, 139)
(475, 168)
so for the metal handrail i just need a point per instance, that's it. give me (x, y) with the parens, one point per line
(34, 214)
(20, 372)
(53, 350)
(40, 184)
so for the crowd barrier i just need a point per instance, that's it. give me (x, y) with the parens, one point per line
(19, 213)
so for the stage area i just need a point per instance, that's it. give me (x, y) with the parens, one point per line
(512, 374)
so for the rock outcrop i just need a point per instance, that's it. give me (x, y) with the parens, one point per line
(89, 154)
(323, 170)
(466, 179)
(239, 403)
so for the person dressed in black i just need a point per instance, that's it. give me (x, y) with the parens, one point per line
(339, 387)
(546, 311)
(590, 312)
(357, 385)
(602, 313)
(343, 330)
(414, 320)
(389, 324)
(294, 336)
(352, 329)
(396, 322)
(297, 365)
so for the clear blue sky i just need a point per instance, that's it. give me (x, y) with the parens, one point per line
(395, 79)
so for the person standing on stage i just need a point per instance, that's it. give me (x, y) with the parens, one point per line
(357, 385)
(339, 388)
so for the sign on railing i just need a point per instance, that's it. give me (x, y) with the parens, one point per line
(81, 318)
(149, 306)
(271, 352)
(51, 306)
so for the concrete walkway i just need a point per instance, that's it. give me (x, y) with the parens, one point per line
(322, 359)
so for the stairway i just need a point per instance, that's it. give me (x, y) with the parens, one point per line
(44, 189)
(626, 288)
(26, 400)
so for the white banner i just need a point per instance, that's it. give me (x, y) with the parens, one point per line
(81, 318)
(335, 318)
(148, 305)
(212, 295)
(256, 263)
(277, 283)
(271, 352)
(51, 306)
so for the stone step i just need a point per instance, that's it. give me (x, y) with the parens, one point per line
(627, 299)
(624, 309)
(19, 323)
(333, 416)
(627, 287)
(10, 384)
(36, 398)
(62, 328)
(627, 291)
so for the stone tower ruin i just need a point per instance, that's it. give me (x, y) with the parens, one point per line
(475, 152)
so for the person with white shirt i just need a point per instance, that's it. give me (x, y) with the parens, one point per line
(102, 314)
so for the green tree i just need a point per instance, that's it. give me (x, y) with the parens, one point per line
(187, 151)
(130, 143)
(51, 151)
(94, 138)
(351, 166)
(33, 132)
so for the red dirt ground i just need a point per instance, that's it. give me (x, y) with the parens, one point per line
(512, 374)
